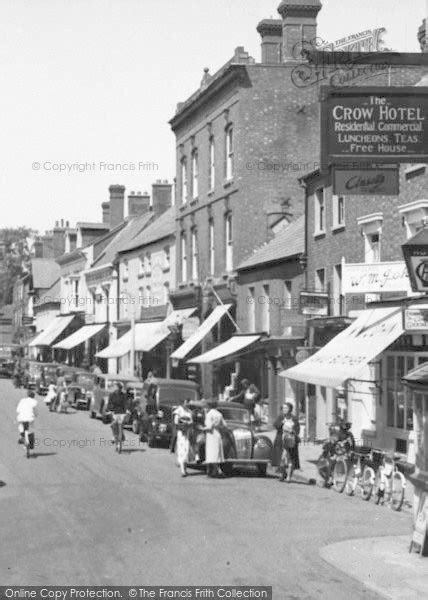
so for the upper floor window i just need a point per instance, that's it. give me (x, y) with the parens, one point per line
(211, 165)
(338, 211)
(148, 262)
(183, 181)
(319, 211)
(229, 152)
(265, 307)
(125, 269)
(167, 257)
(287, 294)
(141, 265)
(195, 166)
(337, 291)
(229, 242)
(211, 247)
(372, 248)
(320, 280)
(251, 304)
(194, 255)
(183, 252)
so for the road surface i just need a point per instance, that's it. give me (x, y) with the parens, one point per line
(80, 514)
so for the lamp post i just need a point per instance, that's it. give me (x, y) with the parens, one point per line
(415, 252)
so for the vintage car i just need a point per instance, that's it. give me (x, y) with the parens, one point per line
(104, 385)
(160, 399)
(8, 353)
(244, 442)
(81, 388)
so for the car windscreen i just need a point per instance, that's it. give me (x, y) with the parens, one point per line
(235, 414)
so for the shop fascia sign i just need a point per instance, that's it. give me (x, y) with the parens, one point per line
(374, 278)
(415, 252)
(374, 125)
(314, 303)
(366, 181)
(415, 319)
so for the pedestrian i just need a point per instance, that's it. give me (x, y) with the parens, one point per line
(50, 398)
(240, 396)
(290, 443)
(251, 396)
(143, 426)
(183, 421)
(277, 444)
(26, 413)
(62, 398)
(214, 425)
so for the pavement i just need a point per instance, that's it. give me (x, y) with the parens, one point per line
(77, 513)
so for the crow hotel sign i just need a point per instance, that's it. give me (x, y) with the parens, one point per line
(382, 125)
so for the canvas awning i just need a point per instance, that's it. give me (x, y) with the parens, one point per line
(232, 346)
(147, 335)
(351, 350)
(79, 336)
(52, 331)
(201, 332)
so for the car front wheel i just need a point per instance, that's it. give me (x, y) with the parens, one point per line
(227, 469)
(262, 469)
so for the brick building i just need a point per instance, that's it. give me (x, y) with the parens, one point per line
(242, 140)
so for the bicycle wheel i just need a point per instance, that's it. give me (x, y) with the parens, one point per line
(351, 481)
(27, 444)
(379, 488)
(367, 483)
(324, 469)
(398, 490)
(340, 473)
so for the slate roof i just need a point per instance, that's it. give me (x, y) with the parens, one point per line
(88, 225)
(133, 228)
(45, 272)
(162, 227)
(288, 242)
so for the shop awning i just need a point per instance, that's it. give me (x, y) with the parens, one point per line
(351, 350)
(79, 336)
(147, 335)
(52, 331)
(201, 332)
(232, 346)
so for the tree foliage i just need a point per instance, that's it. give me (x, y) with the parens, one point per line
(15, 259)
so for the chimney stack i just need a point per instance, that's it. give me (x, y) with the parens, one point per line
(105, 207)
(58, 239)
(47, 241)
(161, 197)
(299, 26)
(271, 33)
(117, 198)
(38, 248)
(138, 204)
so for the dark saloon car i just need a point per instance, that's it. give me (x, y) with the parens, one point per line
(8, 354)
(160, 400)
(81, 389)
(104, 386)
(244, 443)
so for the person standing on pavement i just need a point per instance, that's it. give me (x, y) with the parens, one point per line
(290, 443)
(214, 454)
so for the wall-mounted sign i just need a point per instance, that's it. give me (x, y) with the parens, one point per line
(361, 182)
(314, 303)
(415, 252)
(377, 124)
(374, 278)
(416, 319)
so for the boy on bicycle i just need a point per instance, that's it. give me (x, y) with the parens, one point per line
(118, 404)
(26, 412)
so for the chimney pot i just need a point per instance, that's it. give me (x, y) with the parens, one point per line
(62, 222)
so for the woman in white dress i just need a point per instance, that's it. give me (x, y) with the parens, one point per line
(214, 455)
(183, 422)
(50, 397)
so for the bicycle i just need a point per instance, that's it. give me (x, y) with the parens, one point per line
(361, 475)
(28, 438)
(117, 428)
(390, 483)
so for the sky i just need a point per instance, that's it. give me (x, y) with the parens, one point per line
(87, 85)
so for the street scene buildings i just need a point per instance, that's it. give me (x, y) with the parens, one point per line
(250, 280)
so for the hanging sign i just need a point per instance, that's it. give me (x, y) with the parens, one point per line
(374, 124)
(362, 182)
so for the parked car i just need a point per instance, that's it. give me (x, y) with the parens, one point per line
(244, 442)
(104, 385)
(81, 388)
(160, 400)
(8, 352)
(38, 376)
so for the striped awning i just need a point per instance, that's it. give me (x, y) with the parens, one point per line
(52, 331)
(232, 346)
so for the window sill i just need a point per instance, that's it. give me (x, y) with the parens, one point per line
(183, 207)
(194, 201)
(319, 234)
(228, 183)
(338, 227)
(182, 285)
(210, 193)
